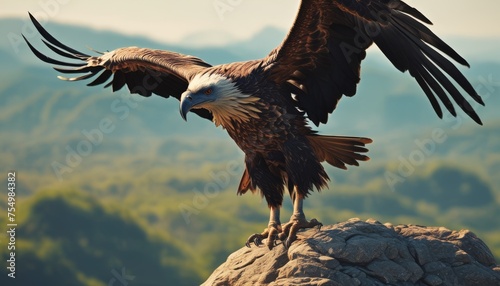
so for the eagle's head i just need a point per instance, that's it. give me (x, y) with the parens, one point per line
(221, 96)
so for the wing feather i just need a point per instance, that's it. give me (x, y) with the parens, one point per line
(144, 71)
(329, 39)
(53, 40)
(102, 78)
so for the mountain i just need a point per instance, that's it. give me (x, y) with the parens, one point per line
(72, 239)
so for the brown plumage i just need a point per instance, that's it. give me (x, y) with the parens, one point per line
(264, 104)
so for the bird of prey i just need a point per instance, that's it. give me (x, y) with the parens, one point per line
(264, 105)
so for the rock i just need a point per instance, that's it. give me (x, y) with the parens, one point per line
(365, 253)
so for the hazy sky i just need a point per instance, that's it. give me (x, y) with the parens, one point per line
(171, 21)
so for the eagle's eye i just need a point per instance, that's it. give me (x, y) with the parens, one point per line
(208, 91)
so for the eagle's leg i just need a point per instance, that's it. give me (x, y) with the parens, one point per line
(297, 221)
(271, 232)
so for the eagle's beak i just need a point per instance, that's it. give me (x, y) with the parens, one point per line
(190, 101)
(186, 104)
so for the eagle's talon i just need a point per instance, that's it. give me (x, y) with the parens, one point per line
(290, 229)
(319, 226)
(282, 236)
(272, 233)
(257, 241)
(255, 238)
(288, 242)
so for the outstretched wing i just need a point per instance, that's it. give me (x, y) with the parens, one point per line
(320, 58)
(144, 71)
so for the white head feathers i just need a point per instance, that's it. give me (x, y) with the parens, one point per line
(230, 104)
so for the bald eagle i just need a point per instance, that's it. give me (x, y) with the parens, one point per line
(265, 104)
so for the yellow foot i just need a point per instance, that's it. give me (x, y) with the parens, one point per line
(271, 233)
(290, 229)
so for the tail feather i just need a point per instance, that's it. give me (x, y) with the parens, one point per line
(339, 151)
(246, 184)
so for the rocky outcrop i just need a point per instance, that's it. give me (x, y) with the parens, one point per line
(365, 253)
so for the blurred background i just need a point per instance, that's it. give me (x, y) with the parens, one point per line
(153, 201)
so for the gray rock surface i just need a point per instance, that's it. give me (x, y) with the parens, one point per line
(365, 253)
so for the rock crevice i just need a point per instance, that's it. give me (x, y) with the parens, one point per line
(365, 253)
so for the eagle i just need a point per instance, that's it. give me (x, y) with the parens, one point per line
(267, 105)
